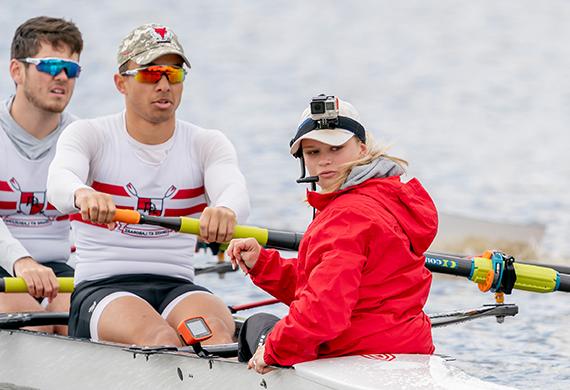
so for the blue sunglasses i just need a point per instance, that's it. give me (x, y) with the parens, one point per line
(54, 66)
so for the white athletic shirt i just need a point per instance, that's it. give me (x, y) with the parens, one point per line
(193, 168)
(29, 225)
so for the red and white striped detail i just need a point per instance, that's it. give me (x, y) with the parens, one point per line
(12, 196)
(173, 202)
(387, 357)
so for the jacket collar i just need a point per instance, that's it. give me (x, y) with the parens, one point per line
(320, 200)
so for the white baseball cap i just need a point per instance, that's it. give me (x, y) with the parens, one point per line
(349, 126)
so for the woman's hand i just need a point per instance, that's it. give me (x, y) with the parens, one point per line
(243, 252)
(257, 362)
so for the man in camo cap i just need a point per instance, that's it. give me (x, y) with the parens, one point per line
(148, 42)
(134, 283)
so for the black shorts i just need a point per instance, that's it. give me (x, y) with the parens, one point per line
(59, 269)
(157, 290)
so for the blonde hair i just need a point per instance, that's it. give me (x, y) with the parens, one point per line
(374, 151)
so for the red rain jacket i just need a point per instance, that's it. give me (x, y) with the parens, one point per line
(359, 284)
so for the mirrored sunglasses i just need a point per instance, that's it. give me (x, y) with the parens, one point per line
(54, 66)
(153, 73)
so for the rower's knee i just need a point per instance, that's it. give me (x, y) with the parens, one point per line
(60, 329)
(212, 309)
(219, 320)
(162, 335)
(222, 330)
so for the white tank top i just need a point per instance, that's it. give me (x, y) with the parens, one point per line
(122, 167)
(30, 218)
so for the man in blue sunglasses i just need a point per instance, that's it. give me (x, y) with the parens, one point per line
(34, 236)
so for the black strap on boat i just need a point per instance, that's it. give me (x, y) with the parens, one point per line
(219, 350)
(198, 350)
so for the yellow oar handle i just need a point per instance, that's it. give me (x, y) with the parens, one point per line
(18, 285)
(192, 226)
(271, 238)
(529, 277)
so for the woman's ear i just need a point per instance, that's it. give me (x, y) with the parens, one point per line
(363, 149)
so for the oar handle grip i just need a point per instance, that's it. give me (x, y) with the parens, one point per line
(529, 277)
(127, 216)
(537, 279)
(18, 285)
(266, 237)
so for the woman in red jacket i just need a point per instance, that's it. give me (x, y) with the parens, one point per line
(359, 284)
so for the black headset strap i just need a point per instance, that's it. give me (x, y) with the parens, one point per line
(342, 122)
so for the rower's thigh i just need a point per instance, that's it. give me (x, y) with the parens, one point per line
(60, 304)
(10, 303)
(129, 319)
(18, 302)
(206, 305)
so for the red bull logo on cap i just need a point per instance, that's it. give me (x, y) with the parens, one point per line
(162, 34)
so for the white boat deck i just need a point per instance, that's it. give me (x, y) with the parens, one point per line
(53, 362)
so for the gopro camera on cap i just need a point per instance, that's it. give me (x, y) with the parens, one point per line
(324, 108)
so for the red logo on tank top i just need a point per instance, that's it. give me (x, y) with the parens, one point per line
(27, 209)
(30, 202)
(155, 205)
(128, 196)
(150, 206)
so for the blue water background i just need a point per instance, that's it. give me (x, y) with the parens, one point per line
(474, 94)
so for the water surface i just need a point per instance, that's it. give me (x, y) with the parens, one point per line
(475, 95)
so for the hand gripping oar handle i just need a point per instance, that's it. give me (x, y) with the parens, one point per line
(18, 285)
(270, 238)
(528, 277)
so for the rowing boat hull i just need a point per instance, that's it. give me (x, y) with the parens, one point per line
(53, 362)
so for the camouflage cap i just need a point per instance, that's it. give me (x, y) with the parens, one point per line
(147, 42)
